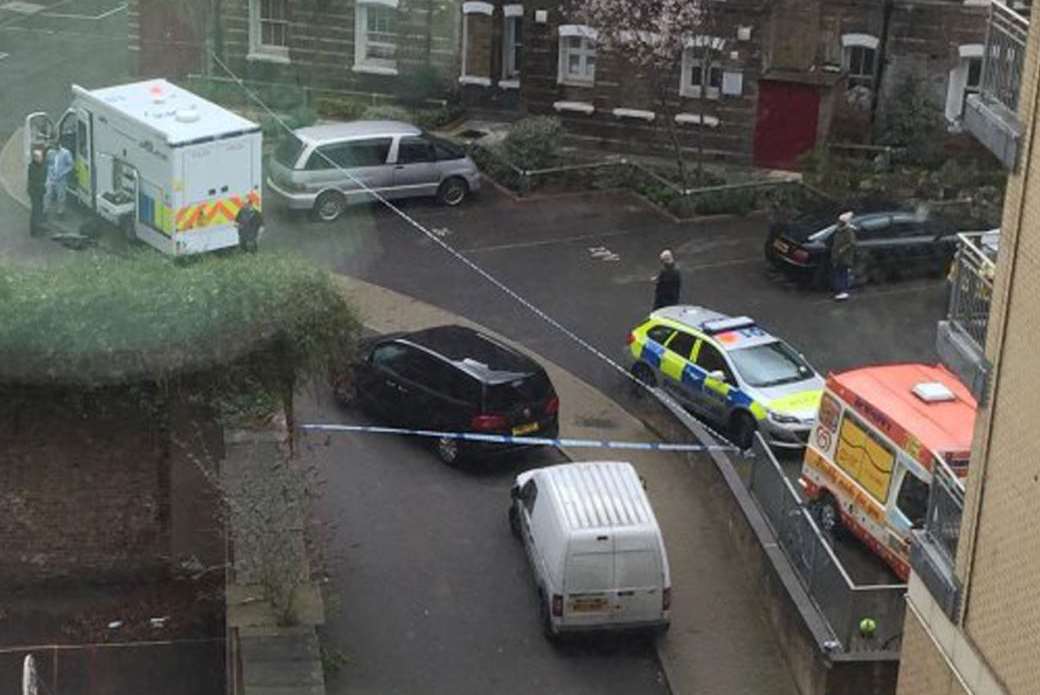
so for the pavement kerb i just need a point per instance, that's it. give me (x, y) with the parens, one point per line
(385, 311)
(12, 169)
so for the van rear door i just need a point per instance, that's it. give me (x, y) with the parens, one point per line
(589, 598)
(638, 579)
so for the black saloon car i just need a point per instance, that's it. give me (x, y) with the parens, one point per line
(889, 243)
(452, 379)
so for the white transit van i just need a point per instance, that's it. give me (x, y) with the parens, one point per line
(594, 545)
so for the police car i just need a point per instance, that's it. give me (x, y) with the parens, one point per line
(729, 371)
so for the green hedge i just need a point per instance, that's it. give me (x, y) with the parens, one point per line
(104, 320)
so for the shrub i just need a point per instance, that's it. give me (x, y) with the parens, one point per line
(914, 123)
(339, 107)
(105, 320)
(417, 85)
(492, 162)
(534, 143)
(386, 112)
(431, 119)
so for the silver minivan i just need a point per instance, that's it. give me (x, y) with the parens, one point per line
(325, 168)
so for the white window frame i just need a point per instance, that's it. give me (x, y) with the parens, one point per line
(586, 49)
(688, 65)
(957, 87)
(362, 63)
(258, 50)
(471, 8)
(511, 72)
(865, 42)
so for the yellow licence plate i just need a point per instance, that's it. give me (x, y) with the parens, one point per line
(525, 429)
(589, 605)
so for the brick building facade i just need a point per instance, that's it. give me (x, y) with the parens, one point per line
(354, 45)
(94, 488)
(787, 70)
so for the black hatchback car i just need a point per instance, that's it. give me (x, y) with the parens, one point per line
(453, 379)
(889, 243)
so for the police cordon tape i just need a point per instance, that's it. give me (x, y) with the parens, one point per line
(511, 439)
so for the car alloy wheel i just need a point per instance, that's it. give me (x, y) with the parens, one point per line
(453, 192)
(448, 449)
(329, 206)
(644, 375)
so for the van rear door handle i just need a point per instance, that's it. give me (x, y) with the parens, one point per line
(626, 593)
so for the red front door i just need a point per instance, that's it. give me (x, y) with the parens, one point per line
(785, 127)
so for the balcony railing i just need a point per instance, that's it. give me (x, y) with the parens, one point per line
(992, 114)
(934, 548)
(961, 340)
(972, 283)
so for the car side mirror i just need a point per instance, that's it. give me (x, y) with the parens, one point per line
(514, 492)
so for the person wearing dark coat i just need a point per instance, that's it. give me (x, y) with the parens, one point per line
(37, 188)
(249, 221)
(667, 283)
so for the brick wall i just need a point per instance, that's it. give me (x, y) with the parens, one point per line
(618, 85)
(322, 40)
(85, 488)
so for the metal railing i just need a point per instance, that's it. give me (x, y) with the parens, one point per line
(972, 285)
(945, 507)
(1004, 55)
(839, 599)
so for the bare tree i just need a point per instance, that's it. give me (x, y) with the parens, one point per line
(650, 36)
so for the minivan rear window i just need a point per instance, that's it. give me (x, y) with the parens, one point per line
(531, 388)
(288, 150)
(446, 150)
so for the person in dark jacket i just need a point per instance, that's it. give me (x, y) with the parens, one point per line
(668, 282)
(843, 255)
(37, 188)
(249, 221)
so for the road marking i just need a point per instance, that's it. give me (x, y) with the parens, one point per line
(544, 242)
(22, 7)
(4, 55)
(92, 18)
(602, 253)
(441, 231)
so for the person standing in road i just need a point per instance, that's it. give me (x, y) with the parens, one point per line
(668, 282)
(843, 255)
(37, 188)
(59, 166)
(249, 223)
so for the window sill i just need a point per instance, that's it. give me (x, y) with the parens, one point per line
(575, 106)
(374, 69)
(648, 116)
(695, 119)
(480, 81)
(695, 93)
(262, 57)
(571, 82)
(509, 84)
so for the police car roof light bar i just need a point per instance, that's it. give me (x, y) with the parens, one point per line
(722, 325)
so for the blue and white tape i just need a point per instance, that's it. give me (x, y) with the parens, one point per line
(510, 439)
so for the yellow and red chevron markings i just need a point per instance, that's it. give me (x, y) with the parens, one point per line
(221, 211)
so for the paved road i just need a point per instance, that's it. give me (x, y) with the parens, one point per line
(544, 251)
(430, 593)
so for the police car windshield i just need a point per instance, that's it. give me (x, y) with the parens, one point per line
(771, 364)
